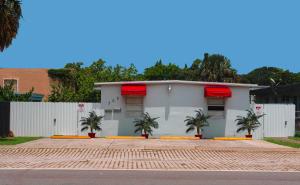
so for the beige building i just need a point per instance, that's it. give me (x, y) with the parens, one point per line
(24, 79)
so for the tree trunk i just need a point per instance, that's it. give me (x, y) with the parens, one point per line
(198, 131)
(249, 131)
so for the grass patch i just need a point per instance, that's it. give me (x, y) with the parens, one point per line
(16, 140)
(284, 142)
(295, 138)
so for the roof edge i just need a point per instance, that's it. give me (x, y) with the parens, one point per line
(99, 84)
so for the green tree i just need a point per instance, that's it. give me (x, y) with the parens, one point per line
(7, 94)
(75, 83)
(194, 72)
(161, 71)
(217, 68)
(61, 93)
(10, 14)
(270, 76)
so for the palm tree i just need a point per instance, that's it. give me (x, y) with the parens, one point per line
(274, 85)
(92, 122)
(199, 121)
(249, 123)
(217, 68)
(145, 124)
(10, 14)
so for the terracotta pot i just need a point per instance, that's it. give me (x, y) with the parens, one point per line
(200, 136)
(145, 135)
(248, 136)
(92, 135)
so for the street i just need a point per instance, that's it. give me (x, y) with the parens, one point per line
(122, 177)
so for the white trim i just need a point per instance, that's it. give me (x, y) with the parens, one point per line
(99, 84)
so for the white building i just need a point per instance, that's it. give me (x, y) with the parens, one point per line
(172, 101)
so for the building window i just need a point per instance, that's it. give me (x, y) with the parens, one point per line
(13, 82)
(134, 106)
(216, 107)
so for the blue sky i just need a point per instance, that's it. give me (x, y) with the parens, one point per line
(251, 33)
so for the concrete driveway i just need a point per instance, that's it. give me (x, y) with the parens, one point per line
(150, 154)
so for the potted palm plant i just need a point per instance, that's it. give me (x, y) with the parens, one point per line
(248, 123)
(92, 122)
(145, 124)
(198, 122)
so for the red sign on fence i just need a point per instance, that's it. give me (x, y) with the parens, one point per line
(80, 107)
(259, 109)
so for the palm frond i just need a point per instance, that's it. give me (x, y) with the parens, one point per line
(84, 128)
(190, 129)
(250, 122)
(146, 123)
(200, 120)
(10, 14)
(92, 122)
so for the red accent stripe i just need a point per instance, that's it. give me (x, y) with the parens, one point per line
(217, 91)
(134, 90)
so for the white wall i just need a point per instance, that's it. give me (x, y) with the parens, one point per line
(231, 126)
(272, 124)
(38, 118)
(279, 120)
(172, 107)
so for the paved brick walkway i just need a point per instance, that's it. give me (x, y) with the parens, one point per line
(151, 154)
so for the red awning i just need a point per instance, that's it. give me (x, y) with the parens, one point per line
(133, 90)
(217, 91)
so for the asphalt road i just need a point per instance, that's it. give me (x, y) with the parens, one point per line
(87, 177)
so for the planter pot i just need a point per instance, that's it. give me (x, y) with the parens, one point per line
(145, 135)
(92, 135)
(200, 136)
(248, 136)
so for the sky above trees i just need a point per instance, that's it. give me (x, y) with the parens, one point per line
(251, 34)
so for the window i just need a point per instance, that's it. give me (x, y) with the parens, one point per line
(134, 106)
(13, 82)
(216, 107)
(111, 114)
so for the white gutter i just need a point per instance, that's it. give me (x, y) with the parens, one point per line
(99, 84)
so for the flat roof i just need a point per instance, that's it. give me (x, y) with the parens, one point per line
(99, 84)
(286, 90)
